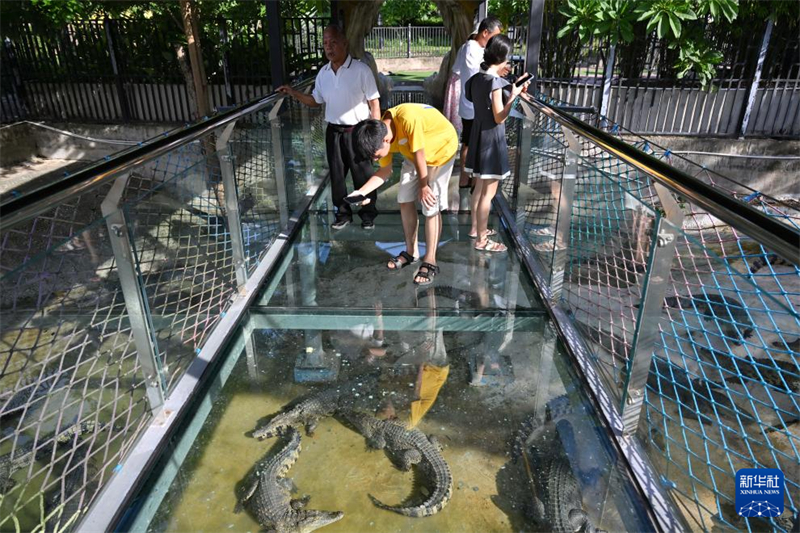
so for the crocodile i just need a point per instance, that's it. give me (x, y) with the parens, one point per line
(24, 455)
(310, 409)
(266, 492)
(557, 500)
(65, 504)
(729, 312)
(407, 447)
(779, 374)
(27, 392)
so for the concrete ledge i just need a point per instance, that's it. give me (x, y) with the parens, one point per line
(774, 177)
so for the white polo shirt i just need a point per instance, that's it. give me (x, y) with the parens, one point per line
(468, 65)
(346, 93)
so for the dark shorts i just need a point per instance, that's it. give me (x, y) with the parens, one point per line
(466, 130)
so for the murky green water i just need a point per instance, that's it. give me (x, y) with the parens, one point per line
(468, 364)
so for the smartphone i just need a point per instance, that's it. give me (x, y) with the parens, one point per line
(523, 78)
(355, 199)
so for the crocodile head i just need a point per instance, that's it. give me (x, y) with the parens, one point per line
(308, 521)
(273, 428)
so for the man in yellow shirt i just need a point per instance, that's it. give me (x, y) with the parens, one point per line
(428, 143)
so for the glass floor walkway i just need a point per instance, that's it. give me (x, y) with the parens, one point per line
(471, 360)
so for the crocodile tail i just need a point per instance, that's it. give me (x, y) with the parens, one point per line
(432, 505)
(416, 511)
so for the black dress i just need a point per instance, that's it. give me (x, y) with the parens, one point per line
(487, 157)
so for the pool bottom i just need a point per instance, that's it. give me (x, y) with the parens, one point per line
(476, 418)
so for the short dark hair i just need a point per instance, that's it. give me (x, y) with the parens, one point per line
(368, 137)
(489, 24)
(337, 29)
(496, 51)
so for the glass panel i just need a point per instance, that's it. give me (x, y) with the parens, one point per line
(184, 257)
(473, 383)
(347, 269)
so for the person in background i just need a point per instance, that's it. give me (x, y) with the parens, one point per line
(452, 95)
(347, 88)
(428, 143)
(487, 157)
(468, 63)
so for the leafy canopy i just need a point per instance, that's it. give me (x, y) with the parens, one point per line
(680, 23)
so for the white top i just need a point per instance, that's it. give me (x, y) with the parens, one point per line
(468, 65)
(346, 93)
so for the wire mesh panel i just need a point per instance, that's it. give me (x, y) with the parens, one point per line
(71, 391)
(723, 389)
(76, 384)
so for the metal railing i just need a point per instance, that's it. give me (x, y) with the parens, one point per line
(120, 285)
(678, 294)
(390, 42)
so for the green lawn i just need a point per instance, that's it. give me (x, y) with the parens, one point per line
(413, 76)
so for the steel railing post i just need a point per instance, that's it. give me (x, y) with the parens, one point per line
(232, 212)
(654, 287)
(566, 198)
(280, 167)
(134, 294)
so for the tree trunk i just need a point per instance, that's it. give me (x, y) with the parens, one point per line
(457, 16)
(191, 29)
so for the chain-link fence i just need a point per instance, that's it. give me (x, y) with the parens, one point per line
(108, 298)
(643, 275)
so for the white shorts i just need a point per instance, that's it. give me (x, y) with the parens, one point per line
(438, 181)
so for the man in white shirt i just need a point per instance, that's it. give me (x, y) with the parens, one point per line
(468, 63)
(347, 88)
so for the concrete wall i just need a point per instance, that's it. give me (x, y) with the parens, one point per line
(774, 177)
(25, 141)
(415, 63)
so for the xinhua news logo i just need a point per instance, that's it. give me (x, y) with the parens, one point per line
(759, 492)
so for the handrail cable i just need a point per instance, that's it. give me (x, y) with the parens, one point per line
(778, 237)
(16, 208)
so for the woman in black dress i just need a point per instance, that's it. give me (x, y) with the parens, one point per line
(487, 157)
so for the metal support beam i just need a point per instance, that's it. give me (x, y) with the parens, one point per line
(535, 23)
(662, 254)
(134, 294)
(232, 214)
(566, 198)
(275, 34)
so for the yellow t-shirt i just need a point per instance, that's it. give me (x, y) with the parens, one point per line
(421, 126)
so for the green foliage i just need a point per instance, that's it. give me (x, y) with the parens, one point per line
(665, 16)
(697, 56)
(613, 19)
(510, 12)
(404, 12)
(681, 24)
